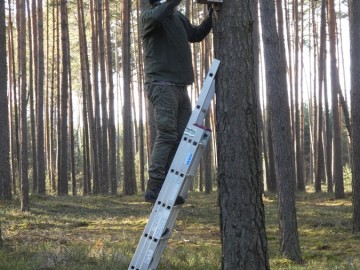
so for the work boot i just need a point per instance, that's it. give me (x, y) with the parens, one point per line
(151, 196)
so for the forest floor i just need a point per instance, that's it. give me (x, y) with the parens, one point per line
(99, 233)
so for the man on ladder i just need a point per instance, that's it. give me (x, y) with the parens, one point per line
(166, 34)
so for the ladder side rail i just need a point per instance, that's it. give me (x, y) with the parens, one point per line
(202, 110)
(195, 165)
(184, 190)
(163, 242)
(206, 94)
(163, 206)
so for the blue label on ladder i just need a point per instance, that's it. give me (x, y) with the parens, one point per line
(189, 159)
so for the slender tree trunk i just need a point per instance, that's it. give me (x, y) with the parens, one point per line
(272, 181)
(21, 26)
(337, 147)
(141, 102)
(128, 141)
(355, 108)
(12, 92)
(40, 101)
(33, 60)
(31, 99)
(104, 114)
(320, 175)
(5, 179)
(63, 116)
(111, 120)
(277, 96)
(71, 133)
(299, 152)
(95, 95)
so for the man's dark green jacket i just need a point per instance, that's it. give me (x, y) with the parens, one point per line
(166, 34)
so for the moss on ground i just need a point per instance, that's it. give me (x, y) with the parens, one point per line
(101, 232)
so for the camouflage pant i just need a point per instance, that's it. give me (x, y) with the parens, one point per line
(172, 110)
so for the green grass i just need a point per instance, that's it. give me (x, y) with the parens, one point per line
(102, 233)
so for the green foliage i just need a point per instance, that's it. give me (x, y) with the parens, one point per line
(100, 232)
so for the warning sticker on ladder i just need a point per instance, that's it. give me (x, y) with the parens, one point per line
(189, 159)
(148, 256)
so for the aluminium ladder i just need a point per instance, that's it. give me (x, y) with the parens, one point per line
(177, 182)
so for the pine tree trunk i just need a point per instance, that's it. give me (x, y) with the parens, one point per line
(320, 175)
(5, 179)
(21, 26)
(33, 63)
(298, 150)
(141, 102)
(128, 140)
(63, 116)
(40, 102)
(12, 91)
(279, 111)
(111, 120)
(95, 96)
(355, 108)
(104, 114)
(337, 144)
(244, 244)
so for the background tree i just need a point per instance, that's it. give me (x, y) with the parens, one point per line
(21, 26)
(63, 116)
(5, 180)
(320, 173)
(128, 147)
(104, 115)
(279, 112)
(336, 112)
(110, 89)
(40, 101)
(242, 224)
(355, 109)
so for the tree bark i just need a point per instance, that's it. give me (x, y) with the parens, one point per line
(128, 141)
(104, 114)
(355, 109)
(5, 179)
(337, 144)
(242, 218)
(21, 26)
(40, 101)
(95, 100)
(320, 175)
(63, 188)
(279, 111)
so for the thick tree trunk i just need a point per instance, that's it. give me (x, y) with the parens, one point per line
(244, 244)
